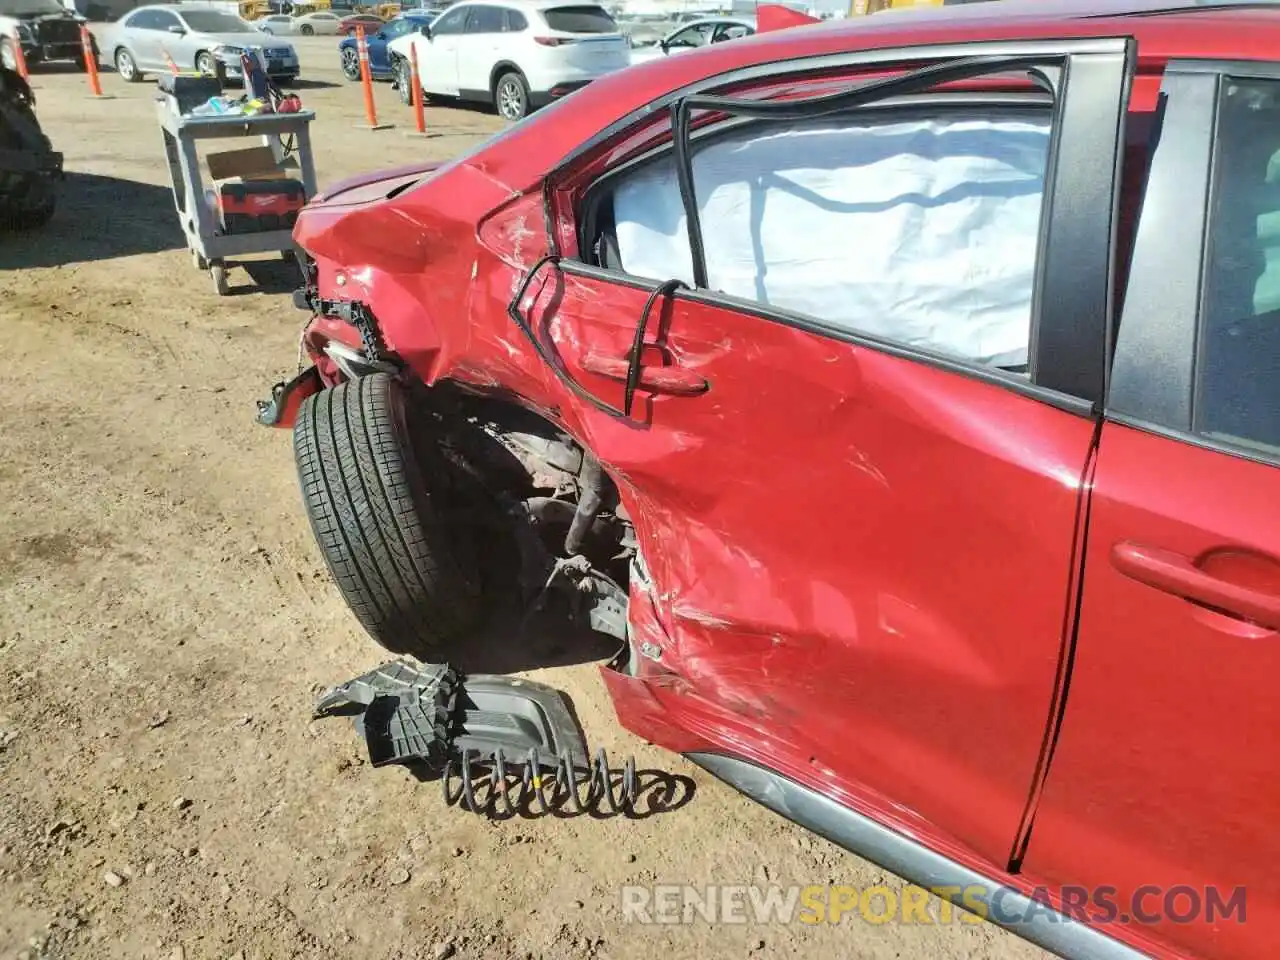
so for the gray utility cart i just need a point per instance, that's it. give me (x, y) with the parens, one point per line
(210, 248)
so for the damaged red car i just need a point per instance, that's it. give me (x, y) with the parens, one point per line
(903, 394)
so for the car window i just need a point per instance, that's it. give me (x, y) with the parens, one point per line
(142, 20)
(917, 229)
(164, 20)
(1238, 361)
(515, 21)
(215, 21)
(484, 19)
(397, 28)
(583, 19)
(324, 16)
(695, 36)
(730, 31)
(450, 22)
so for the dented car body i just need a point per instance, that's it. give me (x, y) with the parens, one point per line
(917, 371)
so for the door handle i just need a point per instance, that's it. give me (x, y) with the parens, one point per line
(1174, 573)
(677, 381)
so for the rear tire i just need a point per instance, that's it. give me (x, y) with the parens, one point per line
(307, 30)
(380, 500)
(511, 96)
(127, 67)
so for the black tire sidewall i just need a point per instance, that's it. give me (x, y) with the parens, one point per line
(380, 503)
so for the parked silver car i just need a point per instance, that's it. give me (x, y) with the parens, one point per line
(148, 38)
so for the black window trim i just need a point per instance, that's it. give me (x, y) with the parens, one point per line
(1170, 313)
(1077, 386)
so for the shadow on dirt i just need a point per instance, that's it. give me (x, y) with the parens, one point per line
(508, 645)
(97, 218)
(307, 85)
(266, 276)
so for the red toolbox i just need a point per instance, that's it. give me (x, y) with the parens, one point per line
(249, 206)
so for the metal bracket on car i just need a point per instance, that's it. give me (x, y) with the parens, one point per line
(354, 312)
(282, 409)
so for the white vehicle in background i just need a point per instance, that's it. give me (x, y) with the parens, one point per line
(517, 55)
(690, 36)
(277, 23)
(320, 22)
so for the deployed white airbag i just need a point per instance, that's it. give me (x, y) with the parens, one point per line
(921, 232)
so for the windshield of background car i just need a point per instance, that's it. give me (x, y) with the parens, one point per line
(29, 8)
(212, 21)
(584, 19)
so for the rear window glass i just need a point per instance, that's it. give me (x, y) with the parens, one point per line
(580, 20)
(214, 21)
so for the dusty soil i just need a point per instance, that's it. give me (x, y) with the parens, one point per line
(165, 622)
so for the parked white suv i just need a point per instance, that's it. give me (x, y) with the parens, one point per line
(517, 55)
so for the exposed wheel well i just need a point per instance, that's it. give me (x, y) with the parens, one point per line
(499, 69)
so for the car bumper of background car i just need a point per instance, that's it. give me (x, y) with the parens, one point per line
(283, 69)
(39, 53)
(540, 98)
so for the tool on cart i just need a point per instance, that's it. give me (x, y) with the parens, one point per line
(255, 196)
(500, 745)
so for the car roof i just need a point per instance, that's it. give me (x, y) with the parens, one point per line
(527, 4)
(727, 18)
(179, 8)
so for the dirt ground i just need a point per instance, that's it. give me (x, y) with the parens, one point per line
(166, 621)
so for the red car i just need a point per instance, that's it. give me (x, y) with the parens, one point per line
(371, 23)
(904, 394)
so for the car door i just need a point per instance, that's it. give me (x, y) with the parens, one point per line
(478, 50)
(172, 45)
(379, 58)
(144, 32)
(438, 53)
(1165, 782)
(850, 431)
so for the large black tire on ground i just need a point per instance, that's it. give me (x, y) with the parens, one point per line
(383, 506)
(29, 168)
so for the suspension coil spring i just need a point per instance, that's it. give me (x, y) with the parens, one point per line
(545, 783)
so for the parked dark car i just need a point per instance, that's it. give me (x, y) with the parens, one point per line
(44, 29)
(903, 395)
(380, 67)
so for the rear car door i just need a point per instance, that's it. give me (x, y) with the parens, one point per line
(478, 50)
(1165, 784)
(859, 421)
(145, 32)
(438, 53)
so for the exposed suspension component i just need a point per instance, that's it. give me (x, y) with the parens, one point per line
(541, 783)
(501, 746)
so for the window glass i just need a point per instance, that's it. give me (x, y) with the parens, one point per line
(1238, 368)
(485, 20)
(164, 20)
(732, 31)
(142, 20)
(515, 21)
(691, 36)
(397, 28)
(215, 21)
(450, 22)
(586, 19)
(919, 230)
